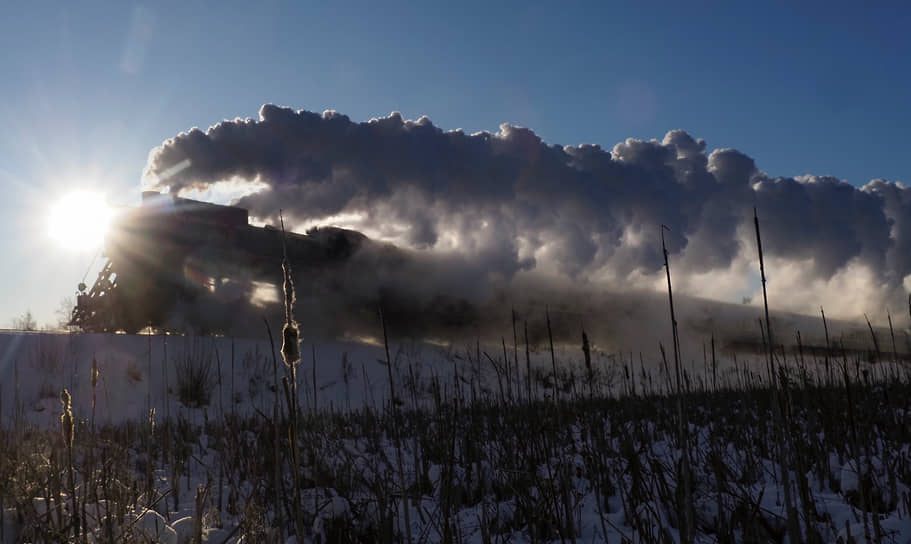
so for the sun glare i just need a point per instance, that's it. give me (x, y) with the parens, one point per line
(79, 220)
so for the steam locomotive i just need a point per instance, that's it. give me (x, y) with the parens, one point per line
(176, 263)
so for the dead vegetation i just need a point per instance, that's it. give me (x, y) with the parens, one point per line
(594, 452)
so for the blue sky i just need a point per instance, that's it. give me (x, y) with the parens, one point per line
(87, 91)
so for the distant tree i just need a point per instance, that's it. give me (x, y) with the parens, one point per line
(25, 322)
(64, 312)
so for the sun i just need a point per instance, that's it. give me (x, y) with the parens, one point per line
(79, 220)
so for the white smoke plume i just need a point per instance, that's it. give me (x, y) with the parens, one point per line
(507, 207)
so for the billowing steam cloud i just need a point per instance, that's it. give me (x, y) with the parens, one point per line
(516, 207)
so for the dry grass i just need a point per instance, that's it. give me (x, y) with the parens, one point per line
(464, 461)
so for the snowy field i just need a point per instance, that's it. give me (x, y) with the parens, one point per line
(184, 439)
(136, 372)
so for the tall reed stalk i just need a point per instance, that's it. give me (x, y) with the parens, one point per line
(688, 534)
(793, 523)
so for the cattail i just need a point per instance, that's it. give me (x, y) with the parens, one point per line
(291, 354)
(94, 372)
(587, 352)
(291, 344)
(94, 387)
(66, 418)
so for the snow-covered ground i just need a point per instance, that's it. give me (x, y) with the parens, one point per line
(138, 372)
(480, 463)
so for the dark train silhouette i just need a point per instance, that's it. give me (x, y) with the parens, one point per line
(175, 263)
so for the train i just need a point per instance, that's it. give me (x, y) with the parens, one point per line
(179, 264)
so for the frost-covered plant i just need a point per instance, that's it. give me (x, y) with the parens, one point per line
(66, 418)
(291, 353)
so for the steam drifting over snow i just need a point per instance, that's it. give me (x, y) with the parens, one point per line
(508, 205)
